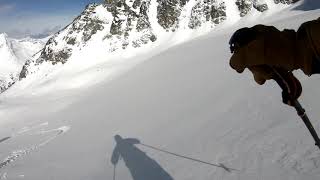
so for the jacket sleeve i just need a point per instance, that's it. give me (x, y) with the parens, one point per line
(115, 156)
(308, 42)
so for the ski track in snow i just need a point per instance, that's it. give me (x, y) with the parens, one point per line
(19, 153)
(27, 129)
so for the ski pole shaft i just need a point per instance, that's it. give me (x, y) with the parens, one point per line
(302, 113)
(114, 172)
(189, 158)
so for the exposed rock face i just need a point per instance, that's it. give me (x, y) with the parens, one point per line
(60, 46)
(168, 14)
(7, 82)
(129, 17)
(122, 23)
(285, 1)
(207, 11)
(79, 32)
(245, 6)
(260, 5)
(24, 70)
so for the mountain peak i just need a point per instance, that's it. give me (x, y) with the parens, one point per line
(3, 35)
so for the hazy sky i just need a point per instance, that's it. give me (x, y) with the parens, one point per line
(22, 17)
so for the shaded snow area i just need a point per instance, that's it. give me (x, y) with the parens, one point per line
(185, 100)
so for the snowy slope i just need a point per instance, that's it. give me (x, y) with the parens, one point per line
(185, 99)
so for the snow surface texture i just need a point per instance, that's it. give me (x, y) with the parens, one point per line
(185, 99)
(13, 55)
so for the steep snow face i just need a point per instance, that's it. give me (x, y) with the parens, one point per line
(13, 55)
(115, 26)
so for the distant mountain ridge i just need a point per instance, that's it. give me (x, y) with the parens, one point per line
(13, 55)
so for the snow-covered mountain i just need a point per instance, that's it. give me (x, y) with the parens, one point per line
(13, 55)
(8, 63)
(119, 25)
(27, 47)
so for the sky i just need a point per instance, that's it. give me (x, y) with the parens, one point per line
(19, 18)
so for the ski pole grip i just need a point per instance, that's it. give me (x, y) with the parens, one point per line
(290, 85)
(280, 80)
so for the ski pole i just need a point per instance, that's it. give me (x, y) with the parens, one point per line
(189, 158)
(114, 172)
(296, 104)
(302, 113)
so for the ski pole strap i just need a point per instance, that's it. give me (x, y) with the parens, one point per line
(189, 158)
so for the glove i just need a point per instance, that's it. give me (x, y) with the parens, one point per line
(270, 49)
(287, 50)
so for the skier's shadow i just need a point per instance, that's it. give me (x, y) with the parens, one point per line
(139, 164)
